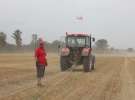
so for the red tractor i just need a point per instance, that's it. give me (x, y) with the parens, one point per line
(77, 51)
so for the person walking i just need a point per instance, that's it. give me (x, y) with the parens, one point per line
(41, 61)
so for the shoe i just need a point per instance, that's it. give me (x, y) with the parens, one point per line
(40, 85)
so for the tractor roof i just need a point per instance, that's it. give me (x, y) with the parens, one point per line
(77, 34)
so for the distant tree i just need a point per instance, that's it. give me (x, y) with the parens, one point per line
(34, 40)
(48, 45)
(54, 45)
(2, 39)
(56, 42)
(17, 36)
(101, 44)
(130, 49)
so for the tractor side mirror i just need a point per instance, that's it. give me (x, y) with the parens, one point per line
(93, 39)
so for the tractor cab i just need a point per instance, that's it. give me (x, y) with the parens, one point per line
(78, 40)
(76, 51)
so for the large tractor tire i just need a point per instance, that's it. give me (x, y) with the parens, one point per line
(88, 63)
(64, 63)
(93, 60)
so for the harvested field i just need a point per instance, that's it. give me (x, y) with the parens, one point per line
(113, 79)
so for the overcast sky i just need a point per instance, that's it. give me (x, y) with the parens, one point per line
(110, 19)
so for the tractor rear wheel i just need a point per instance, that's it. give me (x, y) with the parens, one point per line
(86, 64)
(64, 63)
(93, 59)
(89, 63)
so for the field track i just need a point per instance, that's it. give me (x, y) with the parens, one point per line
(113, 79)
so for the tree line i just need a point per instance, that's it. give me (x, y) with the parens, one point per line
(19, 46)
(101, 44)
(16, 35)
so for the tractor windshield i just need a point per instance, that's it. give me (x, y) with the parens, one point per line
(75, 41)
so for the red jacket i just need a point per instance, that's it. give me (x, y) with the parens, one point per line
(40, 54)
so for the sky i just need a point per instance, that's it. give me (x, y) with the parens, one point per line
(113, 20)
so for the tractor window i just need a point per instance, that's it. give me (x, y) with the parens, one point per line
(71, 41)
(87, 41)
(78, 41)
(81, 41)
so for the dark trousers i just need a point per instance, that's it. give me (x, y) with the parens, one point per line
(40, 70)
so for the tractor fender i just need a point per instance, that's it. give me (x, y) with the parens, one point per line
(86, 51)
(65, 51)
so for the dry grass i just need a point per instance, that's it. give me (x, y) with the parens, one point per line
(112, 79)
